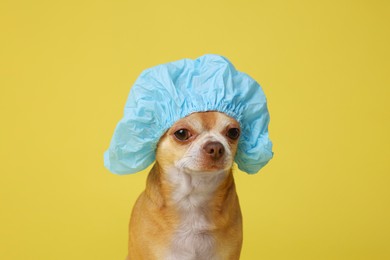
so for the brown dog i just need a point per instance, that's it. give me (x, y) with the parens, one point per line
(190, 209)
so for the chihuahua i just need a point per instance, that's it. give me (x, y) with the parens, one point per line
(190, 209)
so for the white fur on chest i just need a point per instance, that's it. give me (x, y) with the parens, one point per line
(192, 193)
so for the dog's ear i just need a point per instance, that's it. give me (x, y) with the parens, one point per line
(252, 159)
(128, 152)
(255, 148)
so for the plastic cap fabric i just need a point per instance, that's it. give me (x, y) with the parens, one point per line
(166, 93)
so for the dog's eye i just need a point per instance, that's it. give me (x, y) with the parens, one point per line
(233, 133)
(182, 134)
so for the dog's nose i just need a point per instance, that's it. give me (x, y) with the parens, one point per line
(214, 149)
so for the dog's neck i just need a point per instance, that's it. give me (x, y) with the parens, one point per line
(193, 190)
(179, 188)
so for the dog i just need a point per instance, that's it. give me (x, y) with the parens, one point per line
(190, 209)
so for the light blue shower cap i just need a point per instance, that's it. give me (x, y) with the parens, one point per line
(166, 93)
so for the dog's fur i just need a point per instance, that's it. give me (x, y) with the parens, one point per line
(189, 209)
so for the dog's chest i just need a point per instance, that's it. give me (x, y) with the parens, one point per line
(193, 238)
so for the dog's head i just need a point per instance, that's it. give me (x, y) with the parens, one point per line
(203, 142)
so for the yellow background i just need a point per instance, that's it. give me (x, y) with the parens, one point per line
(66, 70)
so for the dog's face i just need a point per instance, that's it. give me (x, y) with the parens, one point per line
(203, 142)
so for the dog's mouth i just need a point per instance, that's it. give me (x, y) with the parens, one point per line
(208, 169)
(199, 165)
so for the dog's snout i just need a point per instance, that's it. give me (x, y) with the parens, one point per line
(214, 149)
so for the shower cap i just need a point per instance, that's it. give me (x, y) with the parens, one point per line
(166, 93)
